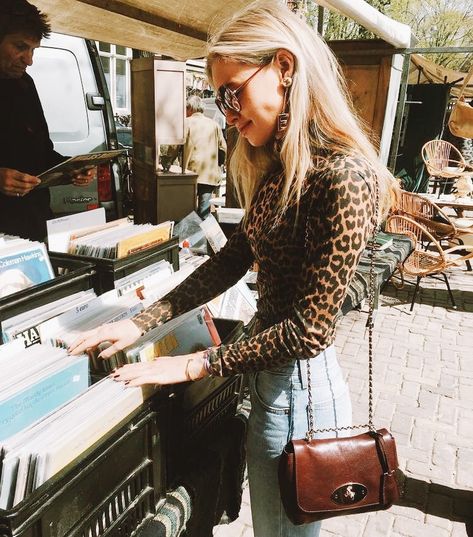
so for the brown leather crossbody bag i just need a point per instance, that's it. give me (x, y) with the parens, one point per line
(323, 478)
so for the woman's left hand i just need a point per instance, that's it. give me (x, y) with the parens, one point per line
(163, 370)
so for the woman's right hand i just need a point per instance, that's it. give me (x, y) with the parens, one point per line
(120, 334)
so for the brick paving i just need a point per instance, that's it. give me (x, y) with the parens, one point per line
(424, 395)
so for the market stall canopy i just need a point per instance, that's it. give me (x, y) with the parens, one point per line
(179, 28)
(393, 32)
(176, 28)
(424, 71)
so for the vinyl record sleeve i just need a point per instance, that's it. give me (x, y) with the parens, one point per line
(61, 174)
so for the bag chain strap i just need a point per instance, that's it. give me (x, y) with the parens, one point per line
(370, 324)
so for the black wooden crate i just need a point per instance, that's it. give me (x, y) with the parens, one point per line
(79, 276)
(109, 270)
(196, 409)
(109, 492)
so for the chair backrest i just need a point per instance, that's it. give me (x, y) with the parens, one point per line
(405, 226)
(442, 159)
(427, 213)
(418, 234)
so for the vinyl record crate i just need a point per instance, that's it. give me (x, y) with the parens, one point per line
(109, 492)
(109, 270)
(72, 276)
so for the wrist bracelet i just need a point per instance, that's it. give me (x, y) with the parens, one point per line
(207, 364)
(205, 367)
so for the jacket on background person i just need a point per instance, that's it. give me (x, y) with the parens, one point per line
(203, 140)
(26, 149)
(25, 146)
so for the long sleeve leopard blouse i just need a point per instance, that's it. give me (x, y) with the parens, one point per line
(306, 262)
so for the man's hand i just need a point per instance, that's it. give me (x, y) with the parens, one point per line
(15, 183)
(84, 177)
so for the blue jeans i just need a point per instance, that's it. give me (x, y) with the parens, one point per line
(279, 413)
(204, 195)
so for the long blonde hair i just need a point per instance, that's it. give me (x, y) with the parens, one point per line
(322, 119)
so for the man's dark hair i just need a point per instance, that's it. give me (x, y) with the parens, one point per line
(19, 16)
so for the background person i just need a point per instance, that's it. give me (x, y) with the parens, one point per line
(204, 138)
(306, 174)
(25, 147)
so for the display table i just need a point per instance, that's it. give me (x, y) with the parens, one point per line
(459, 205)
(465, 231)
(185, 435)
(176, 194)
(163, 195)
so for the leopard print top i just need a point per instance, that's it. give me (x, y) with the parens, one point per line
(305, 262)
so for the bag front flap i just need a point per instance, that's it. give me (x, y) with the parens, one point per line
(339, 473)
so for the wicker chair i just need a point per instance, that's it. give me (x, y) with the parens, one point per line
(427, 213)
(421, 263)
(444, 163)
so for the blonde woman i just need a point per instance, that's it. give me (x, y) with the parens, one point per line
(306, 175)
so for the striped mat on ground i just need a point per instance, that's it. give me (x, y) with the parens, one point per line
(385, 264)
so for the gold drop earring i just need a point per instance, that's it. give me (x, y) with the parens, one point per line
(283, 116)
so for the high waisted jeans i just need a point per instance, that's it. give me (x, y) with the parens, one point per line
(279, 413)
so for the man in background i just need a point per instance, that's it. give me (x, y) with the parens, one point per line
(26, 149)
(203, 140)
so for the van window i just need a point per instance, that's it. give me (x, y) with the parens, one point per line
(57, 78)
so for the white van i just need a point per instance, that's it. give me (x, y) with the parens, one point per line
(74, 94)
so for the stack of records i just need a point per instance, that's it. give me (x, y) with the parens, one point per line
(25, 326)
(63, 329)
(38, 452)
(23, 263)
(89, 234)
(120, 241)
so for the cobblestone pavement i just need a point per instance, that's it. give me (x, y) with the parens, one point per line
(424, 396)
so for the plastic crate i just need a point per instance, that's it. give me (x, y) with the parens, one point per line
(196, 409)
(80, 277)
(210, 412)
(109, 270)
(108, 493)
(205, 403)
(218, 395)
